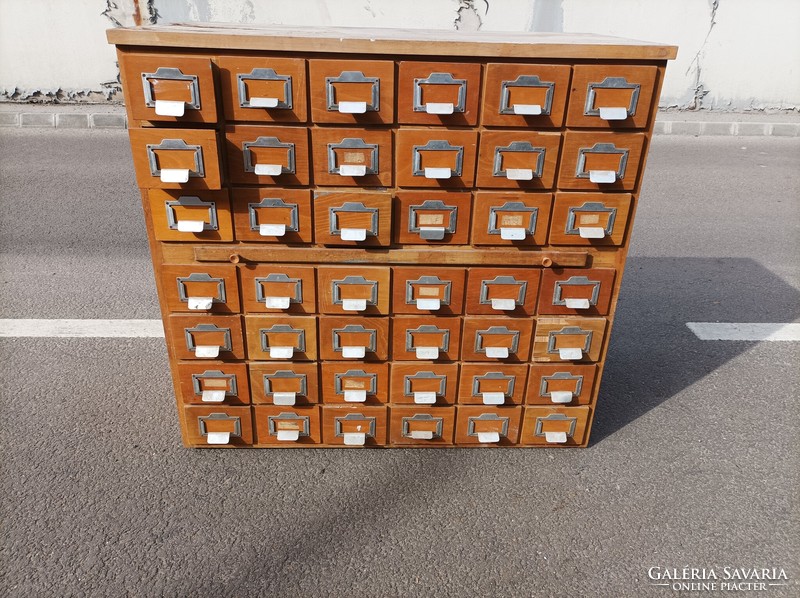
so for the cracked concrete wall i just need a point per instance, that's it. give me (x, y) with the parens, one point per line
(734, 54)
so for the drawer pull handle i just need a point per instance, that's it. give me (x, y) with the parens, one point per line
(425, 398)
(527, 81)
(591, 232)
(207, 351)
(288, 435)
(200, 303)
(170, 108)
(218, 437)
(493, 398)
(281, 352)
(264, 74)
(577, 303)
(439, 108)
(432, 233)
(284, 398)
(174, 175)
(528, 109)
(555, 437)
(428, 304)
(427, 352)
(213, 396)
(263, 102)
(355, 396)
(352, 107)
(570, 353)
(488, 437)
(561, 396)
(614, 113)
(355, 438)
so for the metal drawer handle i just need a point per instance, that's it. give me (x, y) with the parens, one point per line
(279, 301)
(282, 351)
(497, 352)
(437, 145)
(277, 428)
(175, 175)
(355, 304)
(576, 303)
(273, 229)
(213, 395)
(284, 397)
(171, 107)
(355, 395)
(487, 437)
(350, 107)
(560, 396)
(424, 397)
(503, 304)
(519, 230)
(590, 232)
(428, 351)
(247, 101)
(219, 437)
(555, 437)
(526, 109)
(207, 351)
(344, 169)
(428, 303)
(269, 169)
(353, 234)
(194, 226)
(437, 107)
(602, 176)
(612, 112)
(426, 231)
(493, 397)
(518, 174)
(569, 353)
(196, 302)
(407, 422)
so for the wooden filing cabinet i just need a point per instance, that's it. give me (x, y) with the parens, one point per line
(386, 237)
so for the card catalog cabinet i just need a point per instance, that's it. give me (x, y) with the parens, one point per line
(386, 238)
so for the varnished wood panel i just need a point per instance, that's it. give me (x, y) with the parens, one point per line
(412, 284)
(501, 151)
(232, 418)
(493, 211)
(589, 80)
(320, 70)
(168, 207)
(487, 288)
(236, 136)
(472, 420)
(299, 378)
(411, 72)
(553, 84)
(405, 421)
(343, 380)
(195, 377)
(253, 208)
(260, 281)
(573, 378)
(272, 419)
(201, 150)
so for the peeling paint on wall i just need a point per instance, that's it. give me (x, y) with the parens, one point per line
(467, 16)
(700, 91)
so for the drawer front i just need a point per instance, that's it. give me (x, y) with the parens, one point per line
(431, 217)
(496, 384)
(357, 219)
(278, 288)
(554, 426)
(435, 157)
(611, 96)
(590, 218)
(175, 158)
(263, 88)
(354, 290)
(488, 426)
(213, 383)
(431, 291)
(201, 289)
(352, 91)
(168, 88)
(502, 291)
(287, 426)
(354, 426)
(281, 337)
(525, 95)
(425, 338)
(355, 383)
(565, 384)
(206, 337)
(421, 426)
(284, 385)
(510, 218)
(438, 93)
(259, 155)
(424, 384)
(354, 338)
(601, 161)
(576, 291)
(568, 339)
(518, 159)
(272, 215)
(352, 157)
(502, 340)
(192, 216)
(218, 426)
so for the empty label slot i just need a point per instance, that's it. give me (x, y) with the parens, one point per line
(602, 176)
(486, 437)
(268, 169)
(218, 437)
(614, 113)
(278, 302)
(288, 435)
(355, 439)
(555, 437)
(591, 232)
(493, 398)
(170, 108)
(427, 352)
(281, 352)
(200, 303)
(561, 396)
(425, 398)
(284, 398)
(213, 396)
(570, 353)
(272, 230)
(206, 351)
(354, 352)
(527, 109)
(352, 107)
(353, 234)
(174, 175)
(577, 303)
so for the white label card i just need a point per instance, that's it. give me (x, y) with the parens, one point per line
(218, 437)
(561, 396)
(278, 302)
(354, 352)
(352, 107)
(352, 170)
(353, 234)
(497, 352)
(519, 174)
(288, 435)
(486, 437)
(493, 398)
(170, 108)
(284, 398)
(428, 304)
(504, 304)
(281, 352)
(268, 169)
(355, 396)
(421, 434)
(577, 303)
(355, 439)
(263, 102)
(527, 109)
(555, 437)
(591, 232)
(354, 304)
(191, 226)
(206, 351)
(424, 398)
(272, 230)
(513, 234)
(427, 352)
(439, 108)
(200, 303)
(438, 173)
(602, 176)
(174, 175)
(570, 354)
(614, 113)
(213, 396)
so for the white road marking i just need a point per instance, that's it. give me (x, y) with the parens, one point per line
(82, 328)
(745, 331)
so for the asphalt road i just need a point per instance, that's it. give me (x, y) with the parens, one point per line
(693, 462)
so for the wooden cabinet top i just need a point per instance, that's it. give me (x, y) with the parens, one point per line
(355, 40)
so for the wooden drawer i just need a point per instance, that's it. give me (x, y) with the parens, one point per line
(435, 157)
(205, 337)
(287, 426)
(201, 288)
(363, 290)
(438, 93)
(601, 161)
(504, 340)
(483, 384)
(354, 426)
(502, 291)
(424, 384)
(201, 216)
(518, 159)
(431, 217)
(348, 337)
(432, 291)
(511, 218)
(260, 155)
(352, 157)
(354, 383)
(488, 426)
(352, 91)
(357, 219)
(281, 337)
(576, 291)
(213, 383)
(566, 384)
(611, 96)
(278, 288)
(272, 215)
(263, 88)
(568, 339)
(525, 95)
(421, 426)
(218, 426)
(175, 158)
(284, 384)
(168, 87)
(590, 218)
(425, 338)
(554, 426)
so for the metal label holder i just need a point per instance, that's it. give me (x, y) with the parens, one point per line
(303, 420)
(571, 229)
(496, 331)
(353, 143)
(273, 143)
(444, 344)
(503, 280)
(300, 344)
(526, 81)
(285, 375)
(269, 203)
(355, 281)
(559, 417)
(489, 376)
(217, 417)
(352, 207)
(432, 281)
(406, 423)
(190, 344)
(338, 385)
(201, 277)
(171, 74)
(553, 335)
(487, 417)
(520, 147)
(601, 148)
(429, 232)
(265, 74)
(354, 417)
(176, 145)
(331, 101)
(575, 281)
(191, 201)
(231, 390)
(611, 83)
(355, 329)
(512, 206)
(280, 278)
(409, 379)
(437, 145)
(544, 390)
(440, 79)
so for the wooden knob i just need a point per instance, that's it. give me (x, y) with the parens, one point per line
(547, 262)
(234, 258)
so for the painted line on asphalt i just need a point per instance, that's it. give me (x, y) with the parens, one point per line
(82, 328)
(745, 331)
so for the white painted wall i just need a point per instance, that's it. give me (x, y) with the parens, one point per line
(734, 54)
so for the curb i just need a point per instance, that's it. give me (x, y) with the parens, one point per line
(106, 120)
